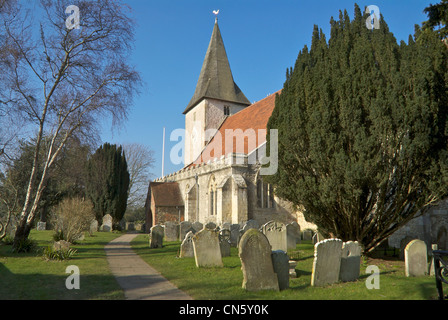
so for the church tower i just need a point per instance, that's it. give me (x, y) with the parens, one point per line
(216, 97)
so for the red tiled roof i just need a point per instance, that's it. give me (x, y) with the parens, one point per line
(247, 127)
(166, 194)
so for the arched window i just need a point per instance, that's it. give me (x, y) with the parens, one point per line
(265, 194)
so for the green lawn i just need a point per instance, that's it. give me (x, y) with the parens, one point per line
(29, 276)
(225, 283)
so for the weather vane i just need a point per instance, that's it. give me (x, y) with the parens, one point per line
(216, 12)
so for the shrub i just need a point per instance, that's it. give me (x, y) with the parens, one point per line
(71, 218)
(25, 245)
(50, 253)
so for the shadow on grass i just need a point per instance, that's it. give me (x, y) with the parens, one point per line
(39, 286)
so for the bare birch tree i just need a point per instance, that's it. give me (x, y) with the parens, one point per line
(63, 77)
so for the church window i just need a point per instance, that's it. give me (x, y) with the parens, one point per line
(265, 194)
(226, 110)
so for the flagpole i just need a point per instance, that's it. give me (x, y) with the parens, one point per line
(163, 154)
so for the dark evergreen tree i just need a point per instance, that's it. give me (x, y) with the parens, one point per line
(362, 130)
(108, 182)
(437, 18)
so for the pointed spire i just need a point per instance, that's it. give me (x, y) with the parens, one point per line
(216, 80)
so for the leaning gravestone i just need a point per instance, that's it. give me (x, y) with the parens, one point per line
(276, 233)
(107, 223)
(327, 262)
(184, 228)
(256, 262)
(186, 248)
(292, 234)
(350, 261)
(171, 231)
(156, 236)
(280, 262)
(416, 259)
(207, 252)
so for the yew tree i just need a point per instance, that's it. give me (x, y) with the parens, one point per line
(362, 129)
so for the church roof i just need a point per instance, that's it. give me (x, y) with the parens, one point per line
(254, 117)
(166, 194)
(216, 80)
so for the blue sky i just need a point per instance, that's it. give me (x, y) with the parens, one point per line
(262, 39)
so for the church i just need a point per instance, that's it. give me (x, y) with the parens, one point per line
(225, 145)
(225, 139)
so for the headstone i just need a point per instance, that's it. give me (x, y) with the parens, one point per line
(93, 226)
(234, 234)
(256, 262)
(327, 262)
(416, 259)
(207, 252)
(292, 269)
(107, 223)
(280, 262)
(350, 261)
(276, 233)
(210, 225)
(130, 226)
(293, 234)
(171, 231)
(186, 248)
(224, 242)
(41, 226)
(307, 235)
(226, 225)
(250, 224)
(184, 228)
(317, 237)
(156, 236)
(197, 226)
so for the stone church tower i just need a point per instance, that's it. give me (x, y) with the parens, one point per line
(216, 97)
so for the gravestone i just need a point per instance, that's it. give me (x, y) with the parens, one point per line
(107, 223)
(327, 262)
(61, 245)
(186, 248)
(280, 262)
(307, 235)
(234, 234)
(93, 226)
(224, 242)
(207, 252)
(226, 225)
(250, 224)
(156, 236)
(197, 226)
(41, 226)
(276, 233)
(130, 226)
(256, 262)
(210, 225)
(416, 258)
(184, 228)
(350, 261)
(293, 235)
(171, 231)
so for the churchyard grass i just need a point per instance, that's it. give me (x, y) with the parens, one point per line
(224, 283)
(28, 276)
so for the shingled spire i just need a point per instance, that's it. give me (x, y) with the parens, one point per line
(216, 80)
